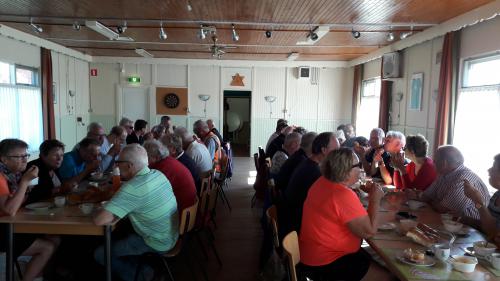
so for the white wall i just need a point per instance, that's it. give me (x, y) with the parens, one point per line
(316, 107)
(68, 74)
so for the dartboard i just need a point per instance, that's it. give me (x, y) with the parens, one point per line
(171, 100)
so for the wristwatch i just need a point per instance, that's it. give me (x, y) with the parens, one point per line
(478, 205)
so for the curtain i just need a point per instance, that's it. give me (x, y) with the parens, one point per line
(49, 131)
(385, 94)
(22, 111)
(356, 91)
(445, 107)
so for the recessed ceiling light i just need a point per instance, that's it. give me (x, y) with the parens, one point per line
(143, 53)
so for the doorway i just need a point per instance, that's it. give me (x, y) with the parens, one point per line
(237, 127)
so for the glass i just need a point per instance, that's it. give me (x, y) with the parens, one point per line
(25, 156)
(25, 76)
(4, 73)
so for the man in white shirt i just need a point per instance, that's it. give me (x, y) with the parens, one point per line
(198, 152)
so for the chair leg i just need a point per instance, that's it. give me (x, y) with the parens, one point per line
(252, 202)
(212, 245)
(223, 195)
(165, 264)
(201, 245)
(19, 272)
(190, 267)
(139, 267)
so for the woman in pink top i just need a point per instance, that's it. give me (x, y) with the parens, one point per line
(420, 172)
(334, 222)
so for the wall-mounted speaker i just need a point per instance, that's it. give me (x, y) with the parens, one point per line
(304, 72)
(391, 65)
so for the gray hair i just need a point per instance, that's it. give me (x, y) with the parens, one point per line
(200, 125)
(307, 140)
(135, 154)
(94, 126)
(180, 131)
(339, 134)
(174, 141)
(397, 135)
(155, 148)
(158, 129)
(379, 132)
(125, 121)
(451, 154)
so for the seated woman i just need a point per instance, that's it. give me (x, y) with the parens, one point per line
(334, 222)
(420, 172)
(13, 188)
(488, 211)
(51, 157)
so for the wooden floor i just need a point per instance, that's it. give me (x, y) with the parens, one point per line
(238, 235)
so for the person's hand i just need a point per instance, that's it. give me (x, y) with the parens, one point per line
(375, 192)
(115, 149)
(67, 186)
(92, 166)
(472, 193)
(30, 174)
(377, 156)
(398, 161)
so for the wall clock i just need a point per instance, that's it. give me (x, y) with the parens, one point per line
(171, 100)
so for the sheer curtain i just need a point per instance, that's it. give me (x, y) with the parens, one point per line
(21, 114)
(476, 127)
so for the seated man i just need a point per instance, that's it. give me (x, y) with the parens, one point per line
(148, 201)
(446, 194)
(127, 124)
(280, 125)
(302, 179)
(278, 142)
(294, 161)
(214, 130)
(291, 145)
(80, 162)
(174, 145)
(166, 122)
(108, 152)
(200, 128)
(197, 151)
(179, 177)
(140, 129)
(158, 131)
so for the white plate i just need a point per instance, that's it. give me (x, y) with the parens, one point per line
(387, 226)
(428, 261)
(39, 206)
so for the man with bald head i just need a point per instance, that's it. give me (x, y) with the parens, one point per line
(446, 193)
(291, 145)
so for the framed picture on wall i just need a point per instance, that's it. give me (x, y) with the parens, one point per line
(417, 83)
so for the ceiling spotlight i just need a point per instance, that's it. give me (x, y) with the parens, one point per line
(355, 34)
(202, 34)
(122, 28)
(404, 35)
(36, 27)
(163, 34)
(76, 26)
(189, 7)
(390, 35)
(312, 34)
(269, 33)
(235, 36)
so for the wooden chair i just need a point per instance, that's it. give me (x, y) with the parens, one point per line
(186, 225)
(272, 218)
(291, 250)
(221, 181)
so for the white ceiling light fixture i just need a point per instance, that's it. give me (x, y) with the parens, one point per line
(36, 28)
(202, 33)
(204, 98)
(144, 53)
(390, 35)
(315, 34)
(163, 34)
(293, 56)
(102, 29)
(235, 35)
(355, 34)
(189, 8)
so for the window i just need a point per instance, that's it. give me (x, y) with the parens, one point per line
(478, 112)
(367, 117)
(21, 104)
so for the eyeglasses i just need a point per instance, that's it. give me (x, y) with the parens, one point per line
(359, 165)
(25, 156)
(121, 161)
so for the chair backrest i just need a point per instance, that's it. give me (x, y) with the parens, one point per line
(272, 217)
(205, 187)
(188, 218)
(291, 248)
(256, 161)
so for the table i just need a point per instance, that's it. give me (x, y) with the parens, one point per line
(428, 216)
(68, 220)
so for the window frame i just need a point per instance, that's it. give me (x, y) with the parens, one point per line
(34, 72)
(478, 59)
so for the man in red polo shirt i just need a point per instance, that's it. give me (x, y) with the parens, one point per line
(179, 176)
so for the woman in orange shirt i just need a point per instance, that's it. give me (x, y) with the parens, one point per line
(334, 222)
(13, 188)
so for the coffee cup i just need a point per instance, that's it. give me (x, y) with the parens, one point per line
(494, 259)
(86, 208)
(60, 201)
(441, 251)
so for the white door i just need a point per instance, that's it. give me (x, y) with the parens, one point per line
(135, 103)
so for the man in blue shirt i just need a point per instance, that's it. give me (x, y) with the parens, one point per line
(80, 162)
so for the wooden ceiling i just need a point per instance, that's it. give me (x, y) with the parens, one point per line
(289, 21)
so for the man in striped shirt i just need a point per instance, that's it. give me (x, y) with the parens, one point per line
(446, 193)
(148, 201)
